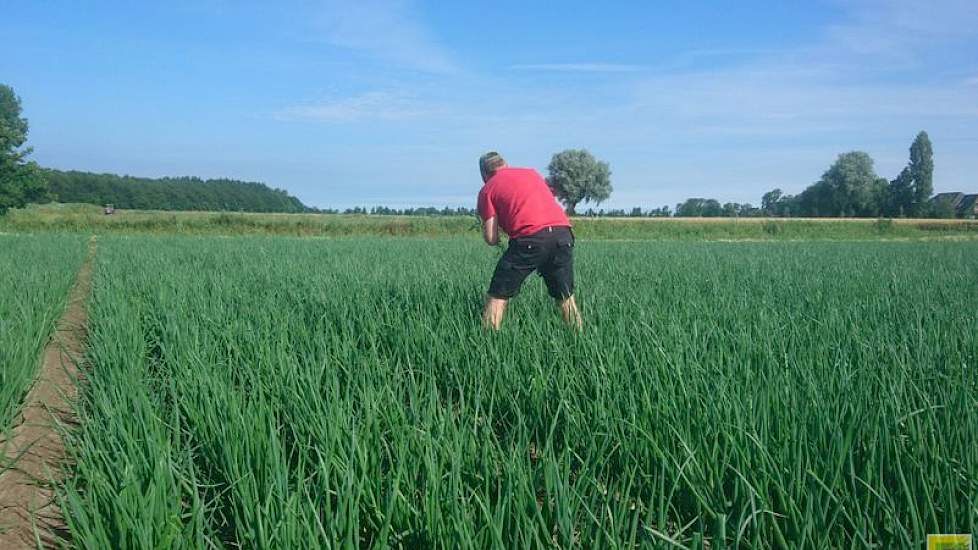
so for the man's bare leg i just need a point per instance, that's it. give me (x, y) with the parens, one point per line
(492, 315)
(570, 313)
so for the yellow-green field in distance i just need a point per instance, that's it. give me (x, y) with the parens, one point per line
(90, 219)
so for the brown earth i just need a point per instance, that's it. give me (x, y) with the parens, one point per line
(32, 459)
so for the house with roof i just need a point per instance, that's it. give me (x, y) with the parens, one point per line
(965, 205)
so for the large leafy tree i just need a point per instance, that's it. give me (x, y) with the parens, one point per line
(769, 202)
(909, 194)
(921, 171)
(20, 182)
(850, 187)
(776, 203)
(575, 176)
(900, 196)
(699, 208)
(942, 208)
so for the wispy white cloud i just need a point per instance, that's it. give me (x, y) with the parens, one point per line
(855, 76)
(384, 106)
(389, 30)
(730, 124)
(895, 28)
(772, 94)
(579, 67)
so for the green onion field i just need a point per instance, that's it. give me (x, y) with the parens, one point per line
(274, 392)
(35, 275)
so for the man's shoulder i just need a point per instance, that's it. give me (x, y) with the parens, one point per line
(516, 174)
(524, 171)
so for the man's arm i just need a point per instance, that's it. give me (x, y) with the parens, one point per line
(487, 213)
(490, 231)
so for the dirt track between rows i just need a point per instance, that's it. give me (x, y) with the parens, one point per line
(33, 456)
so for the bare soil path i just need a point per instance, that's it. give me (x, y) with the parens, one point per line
(31, 460)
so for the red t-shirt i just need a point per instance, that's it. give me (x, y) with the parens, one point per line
(521, 201)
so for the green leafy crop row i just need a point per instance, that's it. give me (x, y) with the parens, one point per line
(285, 393)
(35, 275)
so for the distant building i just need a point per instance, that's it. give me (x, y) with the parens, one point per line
(965, 206)
(969, 206)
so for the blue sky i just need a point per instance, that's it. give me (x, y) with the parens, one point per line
(368, 102)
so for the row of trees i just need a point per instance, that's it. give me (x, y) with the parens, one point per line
(851, 187)
(636, 212)
(388, 211)
(23, 182)
(711, 208)
(185, 193)
(690, 208)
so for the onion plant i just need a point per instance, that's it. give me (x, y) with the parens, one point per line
(36, 272)
(269, 392)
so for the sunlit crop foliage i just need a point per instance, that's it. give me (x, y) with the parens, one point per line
(36, 273)
(287, 393)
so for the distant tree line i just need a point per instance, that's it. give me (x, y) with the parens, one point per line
(388, 211)
(182, 193)
(462, 211)
(851, 188)
(23, 182)
(711, 208)
(636, 212)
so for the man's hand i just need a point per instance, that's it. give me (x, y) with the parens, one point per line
(490, 231)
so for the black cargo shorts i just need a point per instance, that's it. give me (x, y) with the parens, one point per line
(549, 252)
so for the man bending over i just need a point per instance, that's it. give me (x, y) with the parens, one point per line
(519, 201)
